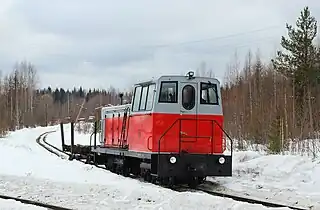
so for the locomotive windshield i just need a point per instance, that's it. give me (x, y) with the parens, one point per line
(168, 93)
(209, 94)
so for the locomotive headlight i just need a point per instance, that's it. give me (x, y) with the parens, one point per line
(173, 160)
(221, 160)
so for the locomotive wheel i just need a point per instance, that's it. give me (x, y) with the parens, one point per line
(193, 182)
(201, 180)
(147, 176)
(153, 179)
(125, 171)
(114, 168)
(71, 157)
(107, 167)
(171, 181)
(119, 170)
(88, 159)
(168, 181)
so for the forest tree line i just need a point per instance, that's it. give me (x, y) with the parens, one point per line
(22, 104)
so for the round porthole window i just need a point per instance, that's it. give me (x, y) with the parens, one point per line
(188, 97)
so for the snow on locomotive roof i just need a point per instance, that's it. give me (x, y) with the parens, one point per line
(115, 108)
(146, 82)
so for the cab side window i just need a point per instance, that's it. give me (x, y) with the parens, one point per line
(150, 97)
(168, 92)
(136, 101)
(143, 98)
(209, 94)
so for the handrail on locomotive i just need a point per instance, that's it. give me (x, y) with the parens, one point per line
(210, 120)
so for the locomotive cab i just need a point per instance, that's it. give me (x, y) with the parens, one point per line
(188, 128)
(192, 106)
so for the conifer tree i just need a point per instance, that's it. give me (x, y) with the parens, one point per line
(299, 62)
(275, 136)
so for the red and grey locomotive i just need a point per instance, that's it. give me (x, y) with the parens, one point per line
(171, 131)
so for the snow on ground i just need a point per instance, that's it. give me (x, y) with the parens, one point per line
(289, 178)
(33, 173)
(125, 194)
(15, 205)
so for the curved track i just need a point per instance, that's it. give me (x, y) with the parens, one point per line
(35, 203)
(41, 140)
(247, 199)
(207, 187)
(31, 202)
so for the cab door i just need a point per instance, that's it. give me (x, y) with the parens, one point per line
(188, 111)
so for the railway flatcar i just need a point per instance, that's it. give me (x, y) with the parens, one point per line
(171, 132)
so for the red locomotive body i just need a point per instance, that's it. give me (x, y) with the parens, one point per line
(171, 131)
(200, 135)
(197, 136)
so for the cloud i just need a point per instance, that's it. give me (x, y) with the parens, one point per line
(116, 43)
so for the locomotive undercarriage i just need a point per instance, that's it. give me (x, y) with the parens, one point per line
(164, 168)
(175, 169)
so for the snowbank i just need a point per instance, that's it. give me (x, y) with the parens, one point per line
(278, 177)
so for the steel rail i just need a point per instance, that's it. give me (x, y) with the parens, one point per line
(248, 199)
(35, 203)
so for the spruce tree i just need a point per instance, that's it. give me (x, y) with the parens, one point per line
(275, 136)
(300, 61)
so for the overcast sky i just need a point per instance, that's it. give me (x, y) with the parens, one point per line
(101, 43)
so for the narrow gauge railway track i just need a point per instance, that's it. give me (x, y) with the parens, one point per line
(35, 203)
(206, 189)
(41, 140)
(247, 199)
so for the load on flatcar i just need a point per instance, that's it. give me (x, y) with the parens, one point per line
(172, 131)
